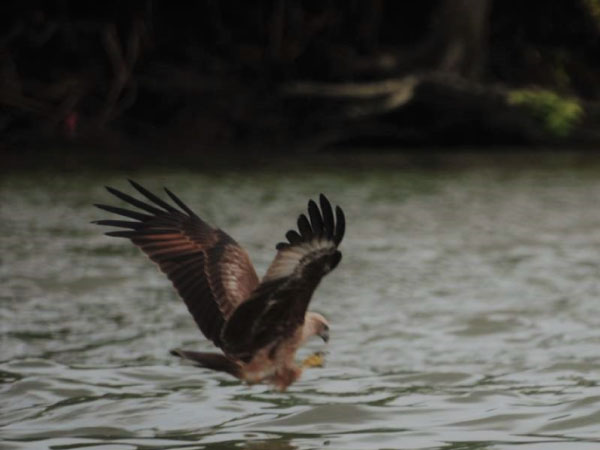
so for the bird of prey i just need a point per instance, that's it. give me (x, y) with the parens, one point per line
(258, 324)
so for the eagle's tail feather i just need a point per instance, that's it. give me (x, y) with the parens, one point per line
(214, 361)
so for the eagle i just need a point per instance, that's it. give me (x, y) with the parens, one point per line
(259, 324)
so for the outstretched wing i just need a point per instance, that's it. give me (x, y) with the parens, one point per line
(210, 271)
(277, 306)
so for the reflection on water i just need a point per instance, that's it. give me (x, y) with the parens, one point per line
(464, 314)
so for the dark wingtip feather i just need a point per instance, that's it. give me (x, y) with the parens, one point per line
(304, 228)
(321, 224)
(323, 200)
(119, 223)
(152, 197)
(293, 237)
(104, 207)
(340, 225)
(134, 201)
(282, 245)
(176, 352)
(124, 234)
(328, 223)
(138, 187)
(180, 203)
(123, 212)
(316, 220)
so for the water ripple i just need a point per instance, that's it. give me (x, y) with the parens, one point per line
(464, 316)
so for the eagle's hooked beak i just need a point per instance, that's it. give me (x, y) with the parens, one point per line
(324, 334)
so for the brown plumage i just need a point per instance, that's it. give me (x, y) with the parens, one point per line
(259, 324)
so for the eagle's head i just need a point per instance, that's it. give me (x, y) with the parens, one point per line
(315, 325)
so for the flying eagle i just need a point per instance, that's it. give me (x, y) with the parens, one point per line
(258, 324)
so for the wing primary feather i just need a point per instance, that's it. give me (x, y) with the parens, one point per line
(124, 212)
(315, 218)
(328, 223)
(293, 237)
(180, 203)
(119, 223)
(124, 234)
(304, 227)
(153, 232)
(133, 201)
(340, 225)
(150, 196)
(188, 251)
(282, 245)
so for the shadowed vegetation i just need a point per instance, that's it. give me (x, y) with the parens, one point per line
(146, 74)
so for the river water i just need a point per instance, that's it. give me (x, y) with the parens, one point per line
(465, 314)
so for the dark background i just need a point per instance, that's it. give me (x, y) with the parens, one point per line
(100, 80)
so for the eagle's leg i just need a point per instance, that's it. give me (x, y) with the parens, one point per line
(285, 376)
(315, 360)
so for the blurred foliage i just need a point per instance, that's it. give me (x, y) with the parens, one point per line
(558, 114)
(593, 6)
(216, 72)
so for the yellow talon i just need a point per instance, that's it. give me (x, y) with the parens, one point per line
(314, 360)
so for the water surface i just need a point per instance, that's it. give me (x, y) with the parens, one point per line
(465, 315)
